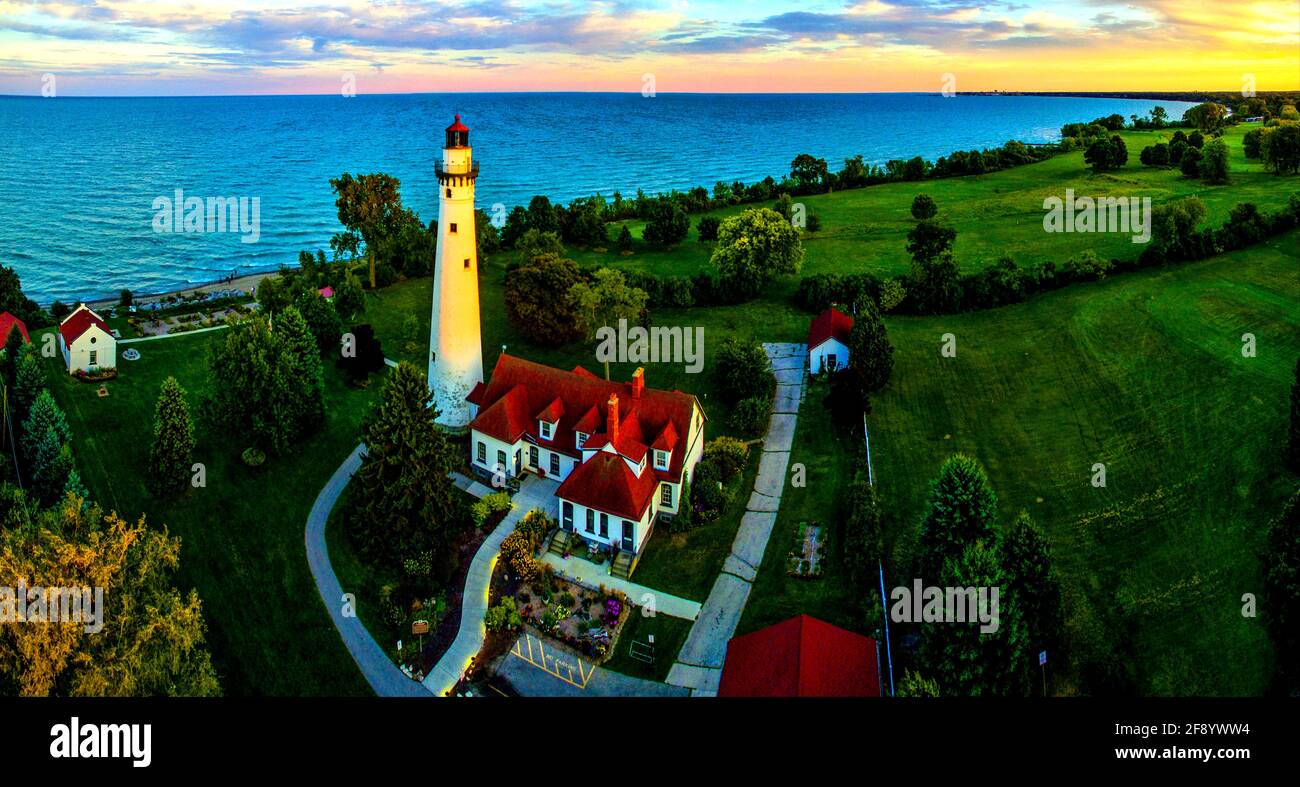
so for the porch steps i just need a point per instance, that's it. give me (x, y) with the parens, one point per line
(559, 542)
(624, 564)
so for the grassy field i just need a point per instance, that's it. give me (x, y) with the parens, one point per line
(995, 214)
(242, 535)
(1143, 373)
(669, 635)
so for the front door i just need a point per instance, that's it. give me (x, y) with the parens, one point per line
(519, 457)
(533, 461)
(627, 535)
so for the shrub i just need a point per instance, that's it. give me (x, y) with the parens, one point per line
(504, 616)
(742, 371)
(727, 455)
(751, 415)
(708, 228)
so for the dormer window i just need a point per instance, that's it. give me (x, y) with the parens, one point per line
(661, 459)
(581, 437)
(547, 429)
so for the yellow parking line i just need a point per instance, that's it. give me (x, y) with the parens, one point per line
(538, 660)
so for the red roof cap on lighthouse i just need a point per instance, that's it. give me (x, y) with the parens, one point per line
(458, 126)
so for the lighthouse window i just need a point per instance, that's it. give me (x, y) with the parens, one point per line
(453, 228)
(448, 193)
(467, 262)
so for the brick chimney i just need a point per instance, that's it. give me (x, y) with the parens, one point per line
(611, 419)
(638, 382)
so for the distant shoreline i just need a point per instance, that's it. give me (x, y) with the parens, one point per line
(247, 282)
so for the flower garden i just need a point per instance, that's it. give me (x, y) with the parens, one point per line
(809, 552)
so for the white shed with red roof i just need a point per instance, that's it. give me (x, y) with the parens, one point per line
(828, 341)
(86, 342)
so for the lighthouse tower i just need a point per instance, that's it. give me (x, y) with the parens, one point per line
(455, 341)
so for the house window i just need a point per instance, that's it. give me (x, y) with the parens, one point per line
(532, 457)
(94, 357)
(591, 521)
(501, 461)
(546, 430)
(661, 460)
(666, 495)
(582, 438)
(604, 525)
(453, 228)
(481, 452)
(555, 464)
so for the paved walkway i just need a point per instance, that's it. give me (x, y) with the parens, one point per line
(541, 667)
(699, 664)
(584, 572)
(172, 335)
(533, 493)
(380, 672)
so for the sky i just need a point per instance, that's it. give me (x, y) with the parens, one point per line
(216, 47)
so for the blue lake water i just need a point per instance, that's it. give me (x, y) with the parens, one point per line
(81, 175)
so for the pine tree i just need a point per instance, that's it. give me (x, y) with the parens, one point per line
(862, 543)
(171, 456)
(1293, 442)
(323, 320)
(871, 356)
(51, 469)
(29, 381)
(964, 660)
(1031, 578)
(962, 510)
(624, 242)
(402, 493)
(44, 417)
(305, 373)
(13, 349)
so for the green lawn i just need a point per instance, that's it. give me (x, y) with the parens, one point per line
(1144, 373)
(242, 535)
(669, 635)
(830, 458)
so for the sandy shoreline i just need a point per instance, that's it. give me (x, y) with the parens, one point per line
(245, 283)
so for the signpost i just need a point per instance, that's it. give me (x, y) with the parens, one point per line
(1042, 668)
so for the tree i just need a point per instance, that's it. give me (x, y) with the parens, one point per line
(304, 373)
(604, 301)
(1281, 561)
(402, 501)
(172, 454)
(252, 390)
(753, 248)
(965, 660)
(368, 206)
(741, 370)
(538, 303)
(1207, 117)
(862, 539)
(1279, 148)
(1213, 166)
(961, 510)
(624, 242)
(12, 352)
(322, 320)
(536, 243)
(349, 299)
(363, 356)
(44, 418)
(924, 207)
(936, 279)
(1032, 580)
(871, 356)
(914, 684)
(29, 380)
(1293, 440)
(152, 639)
(1106, 155)
(125, 299)
(707, 228)
(808, 172)
(47, 450)
(666, 224)
(1191, 162)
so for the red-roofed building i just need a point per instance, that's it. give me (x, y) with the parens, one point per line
(86, 342)
(801, 657)
(828, 341)
(7, 324)
(622, 451)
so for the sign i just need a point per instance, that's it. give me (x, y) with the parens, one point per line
(420, 627)
(1042, 657)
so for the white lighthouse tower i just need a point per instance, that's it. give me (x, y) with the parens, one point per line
(455, 340)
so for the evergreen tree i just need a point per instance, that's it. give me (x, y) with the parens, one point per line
(914, 684)
(624, 242)
(171, 456)
(51, 469)
(402, 497)
(322, 319)
(1031, 579)
(961, 510)
(304, 374)
(965, 660)
(862, 538)
(44, 418)
(924, 207)
(252, 394)
(29, 381)
(871, 356)
(1293, 441)
(13, 349)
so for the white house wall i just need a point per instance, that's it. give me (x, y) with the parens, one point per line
(817, 356)
(77, 356)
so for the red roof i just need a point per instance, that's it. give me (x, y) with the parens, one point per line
(801, 657)
(458, 126)
(7, 323)
(606, 483)
(78, 323)
(831, 323)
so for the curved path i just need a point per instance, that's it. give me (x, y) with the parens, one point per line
(380, 672)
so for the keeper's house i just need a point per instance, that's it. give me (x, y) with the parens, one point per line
(622, 452)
